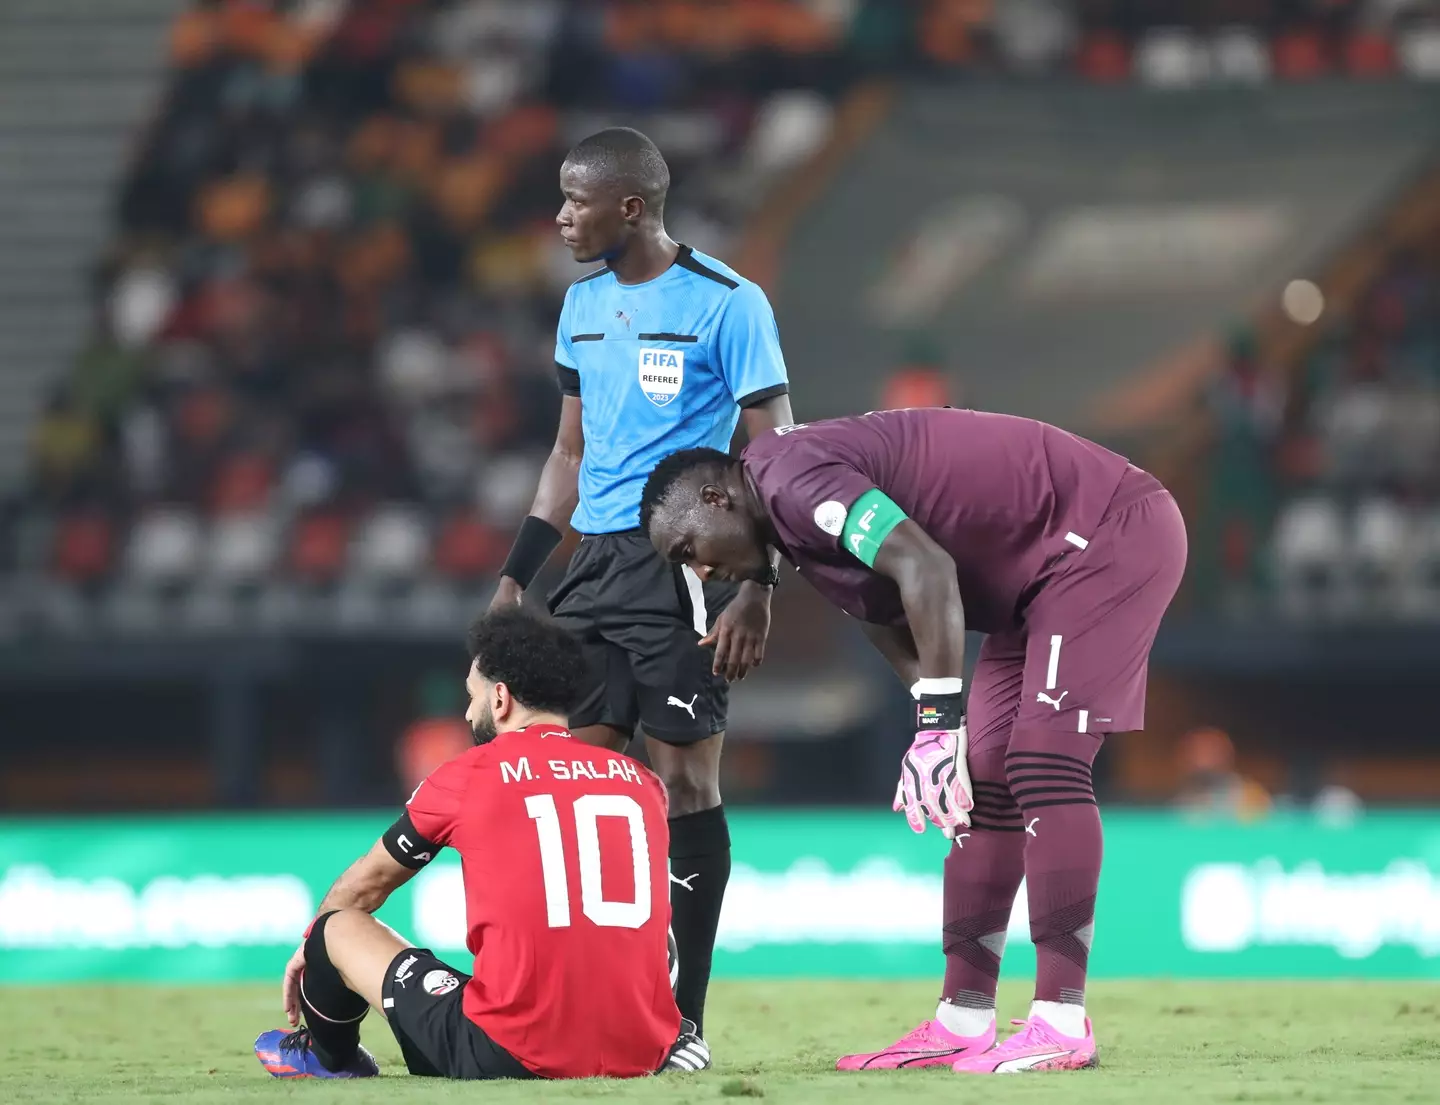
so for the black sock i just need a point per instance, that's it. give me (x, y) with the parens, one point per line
(333, 1011)
(700, 862)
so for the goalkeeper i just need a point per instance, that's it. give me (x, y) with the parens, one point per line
(918, 522)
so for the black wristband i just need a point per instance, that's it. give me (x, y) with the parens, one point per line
(534, 543)
(939, 712)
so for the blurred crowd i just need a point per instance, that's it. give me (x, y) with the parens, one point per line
(1174, 43)
(323, 336)
(1327, 483)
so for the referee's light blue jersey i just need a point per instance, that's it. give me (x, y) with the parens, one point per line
(660, 366)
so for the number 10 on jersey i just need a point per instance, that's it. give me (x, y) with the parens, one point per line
(588, 810)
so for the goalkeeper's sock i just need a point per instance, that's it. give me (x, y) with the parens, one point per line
(699, 870)
(1063, 849)
(1061, 1016)
(963, 1021)
(982, 875)
(333, 1011)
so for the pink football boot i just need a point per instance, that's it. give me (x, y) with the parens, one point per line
(926, 1046)
(1037, 1046)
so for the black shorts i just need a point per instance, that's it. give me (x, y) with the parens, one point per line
(641, 620)
(423, 999)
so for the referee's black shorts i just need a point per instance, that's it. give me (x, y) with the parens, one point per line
(640, 620)
(423, 999)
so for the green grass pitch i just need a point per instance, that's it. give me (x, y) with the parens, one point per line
(1160, 1042)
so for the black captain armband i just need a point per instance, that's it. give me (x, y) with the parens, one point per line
(407, 847)
(534, 543)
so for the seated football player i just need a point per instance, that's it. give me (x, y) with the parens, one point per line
(563, 849)
(919, 523)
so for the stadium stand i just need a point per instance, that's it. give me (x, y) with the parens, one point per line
(320, 352)
(322, 338)
(1328, 477)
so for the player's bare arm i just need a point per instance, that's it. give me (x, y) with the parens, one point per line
(365, 885)
(555, 501)
(897, 645)
(368, 882)
(740, 632)
(930, 593)
(934, 782)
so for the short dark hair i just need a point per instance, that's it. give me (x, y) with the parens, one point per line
(626, 158)
(672, 470)
(540, 662)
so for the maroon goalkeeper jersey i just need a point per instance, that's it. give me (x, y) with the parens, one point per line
(1008, 498)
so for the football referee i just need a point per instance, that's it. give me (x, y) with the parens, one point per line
(661, 349)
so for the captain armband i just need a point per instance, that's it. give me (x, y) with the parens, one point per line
(869, 522)
(406, 846)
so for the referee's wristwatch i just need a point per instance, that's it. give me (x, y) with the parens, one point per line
(771, 578)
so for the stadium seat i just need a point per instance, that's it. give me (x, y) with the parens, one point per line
(1419, 50)
(140, 302)
(1300, 55)
(468, 549)
(1420, 596)
(317, 547)
(1308, 552)
(917, 387)
(1379, 553)
(1104, 58)
(507, 488)
(414, 365)
(1368, 54)
(391, 545)
(165, 547)
(84, 547)
(1239, 56)
(242, 548)
(1172, 57)
(789, 127)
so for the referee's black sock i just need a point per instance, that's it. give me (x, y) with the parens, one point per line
(333, 1011)
(700, 865)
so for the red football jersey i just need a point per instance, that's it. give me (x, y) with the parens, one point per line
(564, 852)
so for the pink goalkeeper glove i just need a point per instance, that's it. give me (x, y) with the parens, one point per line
(935, 782)
(934, 776)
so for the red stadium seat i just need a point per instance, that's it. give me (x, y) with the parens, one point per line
(84, 549)
(318, 547)
(1301, 56)
(1104, 58)
(915, 388)
(1369, 55)
(428, 743)
(469, 549)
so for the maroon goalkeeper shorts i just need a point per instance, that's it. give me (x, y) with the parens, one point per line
(1081, 661)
